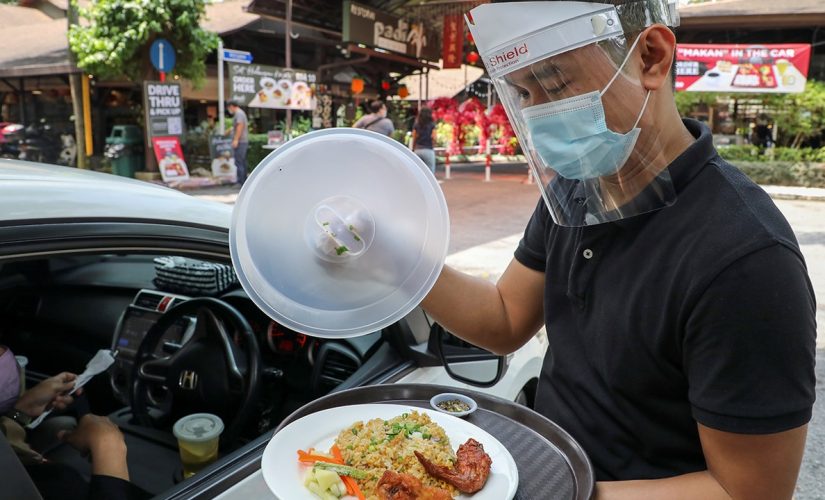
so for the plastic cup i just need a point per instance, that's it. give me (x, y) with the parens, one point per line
(198, 436)
(22, 362)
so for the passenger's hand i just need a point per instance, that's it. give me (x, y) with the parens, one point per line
(100, 437)
(52, 393)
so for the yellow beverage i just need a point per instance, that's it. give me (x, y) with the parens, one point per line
(196, 456)
(198, 438)
(782, 66)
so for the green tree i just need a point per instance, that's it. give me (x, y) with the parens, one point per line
(116, 39)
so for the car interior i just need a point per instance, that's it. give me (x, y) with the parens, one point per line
(179, 353)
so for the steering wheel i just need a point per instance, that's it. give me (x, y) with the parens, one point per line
(208, 373)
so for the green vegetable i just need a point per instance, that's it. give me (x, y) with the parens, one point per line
(354, 431)
(340, 250)
(343, 470)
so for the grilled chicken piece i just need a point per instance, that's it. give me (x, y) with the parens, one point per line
(394, 486)
(471, 469)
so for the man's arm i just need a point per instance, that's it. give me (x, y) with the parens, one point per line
(749, 466)
(499, 317)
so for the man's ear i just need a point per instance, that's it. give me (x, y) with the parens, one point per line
(657, 49)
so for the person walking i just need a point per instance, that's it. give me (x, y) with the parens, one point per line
(240, 138)
(377, 120)
(423, 136)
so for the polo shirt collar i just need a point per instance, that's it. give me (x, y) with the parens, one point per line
(683, 168)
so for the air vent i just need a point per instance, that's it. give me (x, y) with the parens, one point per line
(336, 363)
(148, 300)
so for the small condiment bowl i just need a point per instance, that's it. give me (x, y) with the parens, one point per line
(447, 396)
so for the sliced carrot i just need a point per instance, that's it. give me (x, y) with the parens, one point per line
(346, 480)
(350, 483)
(309, 458)
(336, 452)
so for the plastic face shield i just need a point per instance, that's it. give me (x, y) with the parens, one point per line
(569, 82)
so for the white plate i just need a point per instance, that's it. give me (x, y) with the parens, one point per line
(284, 475)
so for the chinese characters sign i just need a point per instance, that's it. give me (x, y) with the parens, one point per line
(363, 24)
(453, 41)
(742, 68)
(259, 86)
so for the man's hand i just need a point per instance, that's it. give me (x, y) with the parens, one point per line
(52, 393)
(235, 143)
(99, 436)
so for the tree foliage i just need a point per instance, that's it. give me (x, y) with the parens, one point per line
(797, 116)
(115, 38)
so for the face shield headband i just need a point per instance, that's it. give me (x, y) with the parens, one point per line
(552, 64)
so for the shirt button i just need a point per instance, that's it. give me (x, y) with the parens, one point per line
(587, 253)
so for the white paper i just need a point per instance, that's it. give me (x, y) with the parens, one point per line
(98, 364)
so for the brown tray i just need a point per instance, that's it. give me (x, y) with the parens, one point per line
(551, 464)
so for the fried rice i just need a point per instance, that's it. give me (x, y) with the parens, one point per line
(380, 445)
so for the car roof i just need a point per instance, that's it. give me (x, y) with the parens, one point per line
(39, 192)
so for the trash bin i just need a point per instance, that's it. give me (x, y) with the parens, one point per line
(124, 147)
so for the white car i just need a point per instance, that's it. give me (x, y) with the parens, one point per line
(79, 259)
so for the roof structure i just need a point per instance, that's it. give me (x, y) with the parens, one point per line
(13, 15)
(45, 50)
(753, 13)
(443, 83)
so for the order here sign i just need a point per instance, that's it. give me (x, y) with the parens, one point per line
(776, 68)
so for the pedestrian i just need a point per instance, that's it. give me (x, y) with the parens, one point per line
(423, 136)
(240, 138)
(679, 313)
(376, 120)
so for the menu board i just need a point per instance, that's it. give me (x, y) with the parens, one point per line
(777, 68)
(259, 86)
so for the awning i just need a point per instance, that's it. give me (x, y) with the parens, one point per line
(45, 50)
(753, 14)
(36, 51)
(442, 83)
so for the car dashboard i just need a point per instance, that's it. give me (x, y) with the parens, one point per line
(295, 367)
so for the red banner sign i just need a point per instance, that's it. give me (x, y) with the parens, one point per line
(170, 159)
(742, 68)
(453, 40)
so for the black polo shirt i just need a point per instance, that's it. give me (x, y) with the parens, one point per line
(699, 312)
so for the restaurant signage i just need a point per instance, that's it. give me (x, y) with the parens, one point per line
(163, 105)
(169, 155)
(259, 86)
(742, 68)
(453, 41)
(369, 26)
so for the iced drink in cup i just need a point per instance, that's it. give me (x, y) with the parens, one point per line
(198, 435)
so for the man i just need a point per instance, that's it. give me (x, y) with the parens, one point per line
(377, 120)
(679, 313)
(240, 138)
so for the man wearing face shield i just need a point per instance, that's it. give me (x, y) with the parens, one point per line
(679, 313)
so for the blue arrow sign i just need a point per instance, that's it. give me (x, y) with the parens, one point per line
(162, 54)
(237, 56)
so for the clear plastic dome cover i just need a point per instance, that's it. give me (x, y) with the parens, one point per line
(339, 233)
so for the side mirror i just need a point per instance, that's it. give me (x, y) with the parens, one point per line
(465, 362)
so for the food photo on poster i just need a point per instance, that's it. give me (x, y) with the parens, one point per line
(170, 159)
(260, 86)
(223, 163)
(778, 68)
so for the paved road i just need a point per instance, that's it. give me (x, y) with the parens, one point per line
(487, 219)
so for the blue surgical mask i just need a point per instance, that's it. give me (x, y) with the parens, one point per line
(571, 135)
